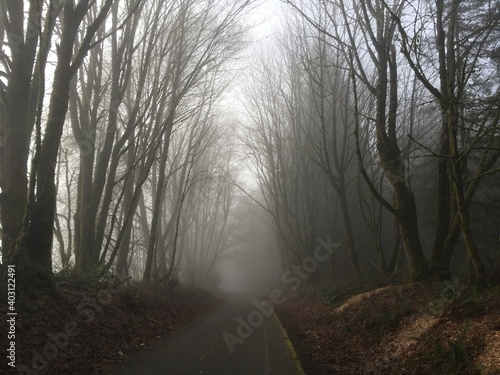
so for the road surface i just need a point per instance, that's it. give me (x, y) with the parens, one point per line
(243, 337)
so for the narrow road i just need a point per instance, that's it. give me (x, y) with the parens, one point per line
(243, 337)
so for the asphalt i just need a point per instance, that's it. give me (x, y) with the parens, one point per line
(242, 337)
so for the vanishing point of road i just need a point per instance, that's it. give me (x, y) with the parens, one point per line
(242, 337)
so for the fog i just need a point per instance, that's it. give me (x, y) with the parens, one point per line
(252, 262)
(219, 143)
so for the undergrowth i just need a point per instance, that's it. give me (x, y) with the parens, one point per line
(95, 278)
(451, 356)
(335, 294)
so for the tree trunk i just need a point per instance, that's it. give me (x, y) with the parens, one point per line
(40, 234)
(123, 251)
(443, 266)
(462, 202)
(443, 200)
(155, 220)
(16, 138)
(393, 257)
(392, 164)
(158, 199)
(42, 218)
(16, 129)
(349, 233)
(408, 226)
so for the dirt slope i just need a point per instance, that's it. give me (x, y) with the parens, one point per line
(426, 328)
(88, 331)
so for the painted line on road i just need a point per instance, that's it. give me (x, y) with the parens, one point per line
(267, 367)
(203, 355)
(289, 344)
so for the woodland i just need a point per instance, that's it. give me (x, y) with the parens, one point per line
(165, 142)
(375, 123)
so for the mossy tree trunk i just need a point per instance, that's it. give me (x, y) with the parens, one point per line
(17, 120)
(457, 63)
(21, 103)
(391, 159)
(40, 231)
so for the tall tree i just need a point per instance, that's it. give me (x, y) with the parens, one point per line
(23, 69)
(463, 50)
(29, 214)
(69, 59)
(365, 33)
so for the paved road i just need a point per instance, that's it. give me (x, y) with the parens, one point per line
(236, 339)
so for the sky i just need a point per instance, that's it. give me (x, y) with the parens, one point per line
(236, 271)
(266, 18)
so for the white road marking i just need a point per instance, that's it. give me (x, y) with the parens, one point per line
(266, 352)
(203, 355)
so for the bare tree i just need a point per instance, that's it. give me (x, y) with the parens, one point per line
(463, 57)
(330, 124)
(293, 187)
(93, 132)
(31, 212)
(365, 33)
(205, 219)
(22, 64)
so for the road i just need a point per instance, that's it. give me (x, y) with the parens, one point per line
(243, 337)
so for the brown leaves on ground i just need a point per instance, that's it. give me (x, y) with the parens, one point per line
(88, 332)
(425, 328)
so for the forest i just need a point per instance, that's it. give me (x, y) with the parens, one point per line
(166, 142)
